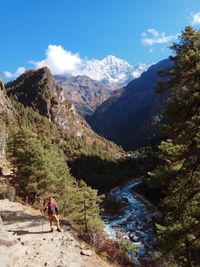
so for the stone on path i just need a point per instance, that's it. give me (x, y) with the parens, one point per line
(86, 252)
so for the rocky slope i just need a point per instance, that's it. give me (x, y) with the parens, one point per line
(38, 89)
(131, 116)
(86, 94)
(25, 240)
(6, 109)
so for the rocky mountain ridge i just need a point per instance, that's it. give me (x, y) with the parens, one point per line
(97, 80)
(37, 89)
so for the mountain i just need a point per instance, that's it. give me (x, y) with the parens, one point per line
(131, 116)
(110, 70)
(96, 80)
(49, 123)
(86, 94)
(38, 90)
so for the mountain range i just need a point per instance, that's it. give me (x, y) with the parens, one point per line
(95, 80)
(128, 116)
(111, 70)
(132, 115)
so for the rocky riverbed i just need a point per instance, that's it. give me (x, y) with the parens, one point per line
(136, 223)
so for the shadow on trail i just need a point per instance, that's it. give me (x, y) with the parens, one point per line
(18, 217)
(11, 217)
(25, 232)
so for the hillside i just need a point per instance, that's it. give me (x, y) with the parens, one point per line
(37, 90)
(49, 123)
(86, 94)
(132, 115)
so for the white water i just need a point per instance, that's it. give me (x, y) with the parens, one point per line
(136, 222)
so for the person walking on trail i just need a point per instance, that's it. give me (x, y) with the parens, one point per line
(51, 208)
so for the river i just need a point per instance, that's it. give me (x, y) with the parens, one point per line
(136, 222)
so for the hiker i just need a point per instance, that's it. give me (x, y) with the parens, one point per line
(51, 208)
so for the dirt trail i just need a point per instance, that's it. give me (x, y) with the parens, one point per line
(25, 241)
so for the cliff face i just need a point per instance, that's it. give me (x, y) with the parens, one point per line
(38, 89)
(6, 109)
(7, 114)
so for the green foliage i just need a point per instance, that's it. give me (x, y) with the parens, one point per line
(85, 208)
(104, 174)
(41, 152)
(40, 166)
(128, 250)
(179, 174)
(128, 246)
(41, 170)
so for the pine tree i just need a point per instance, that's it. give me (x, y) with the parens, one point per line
(85, 208)
(40, 167)
(41, 170)
(179, 175)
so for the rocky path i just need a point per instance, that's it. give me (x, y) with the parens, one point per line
(25, 241)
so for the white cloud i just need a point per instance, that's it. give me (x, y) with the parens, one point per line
(8, 74)
(195, 18)
(59, 61)
(15, 74)
(152, 36)
(64, 62)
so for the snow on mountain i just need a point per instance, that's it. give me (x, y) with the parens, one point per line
(96, 80)
(109, 70)
(112, 70)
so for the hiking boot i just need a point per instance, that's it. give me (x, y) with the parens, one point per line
(59, 230)
(51, 230)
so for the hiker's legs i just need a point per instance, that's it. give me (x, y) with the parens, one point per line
(51, 222)
(57, 221)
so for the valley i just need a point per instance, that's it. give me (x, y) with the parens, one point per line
(117, 146)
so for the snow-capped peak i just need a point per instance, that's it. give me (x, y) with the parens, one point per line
(112, 70)
(114, 61)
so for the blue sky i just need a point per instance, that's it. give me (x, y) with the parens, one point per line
(137, 31)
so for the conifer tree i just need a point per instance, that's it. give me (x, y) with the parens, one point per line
(40, 167)
(41, 170)
(85, 208)
(179, 175)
